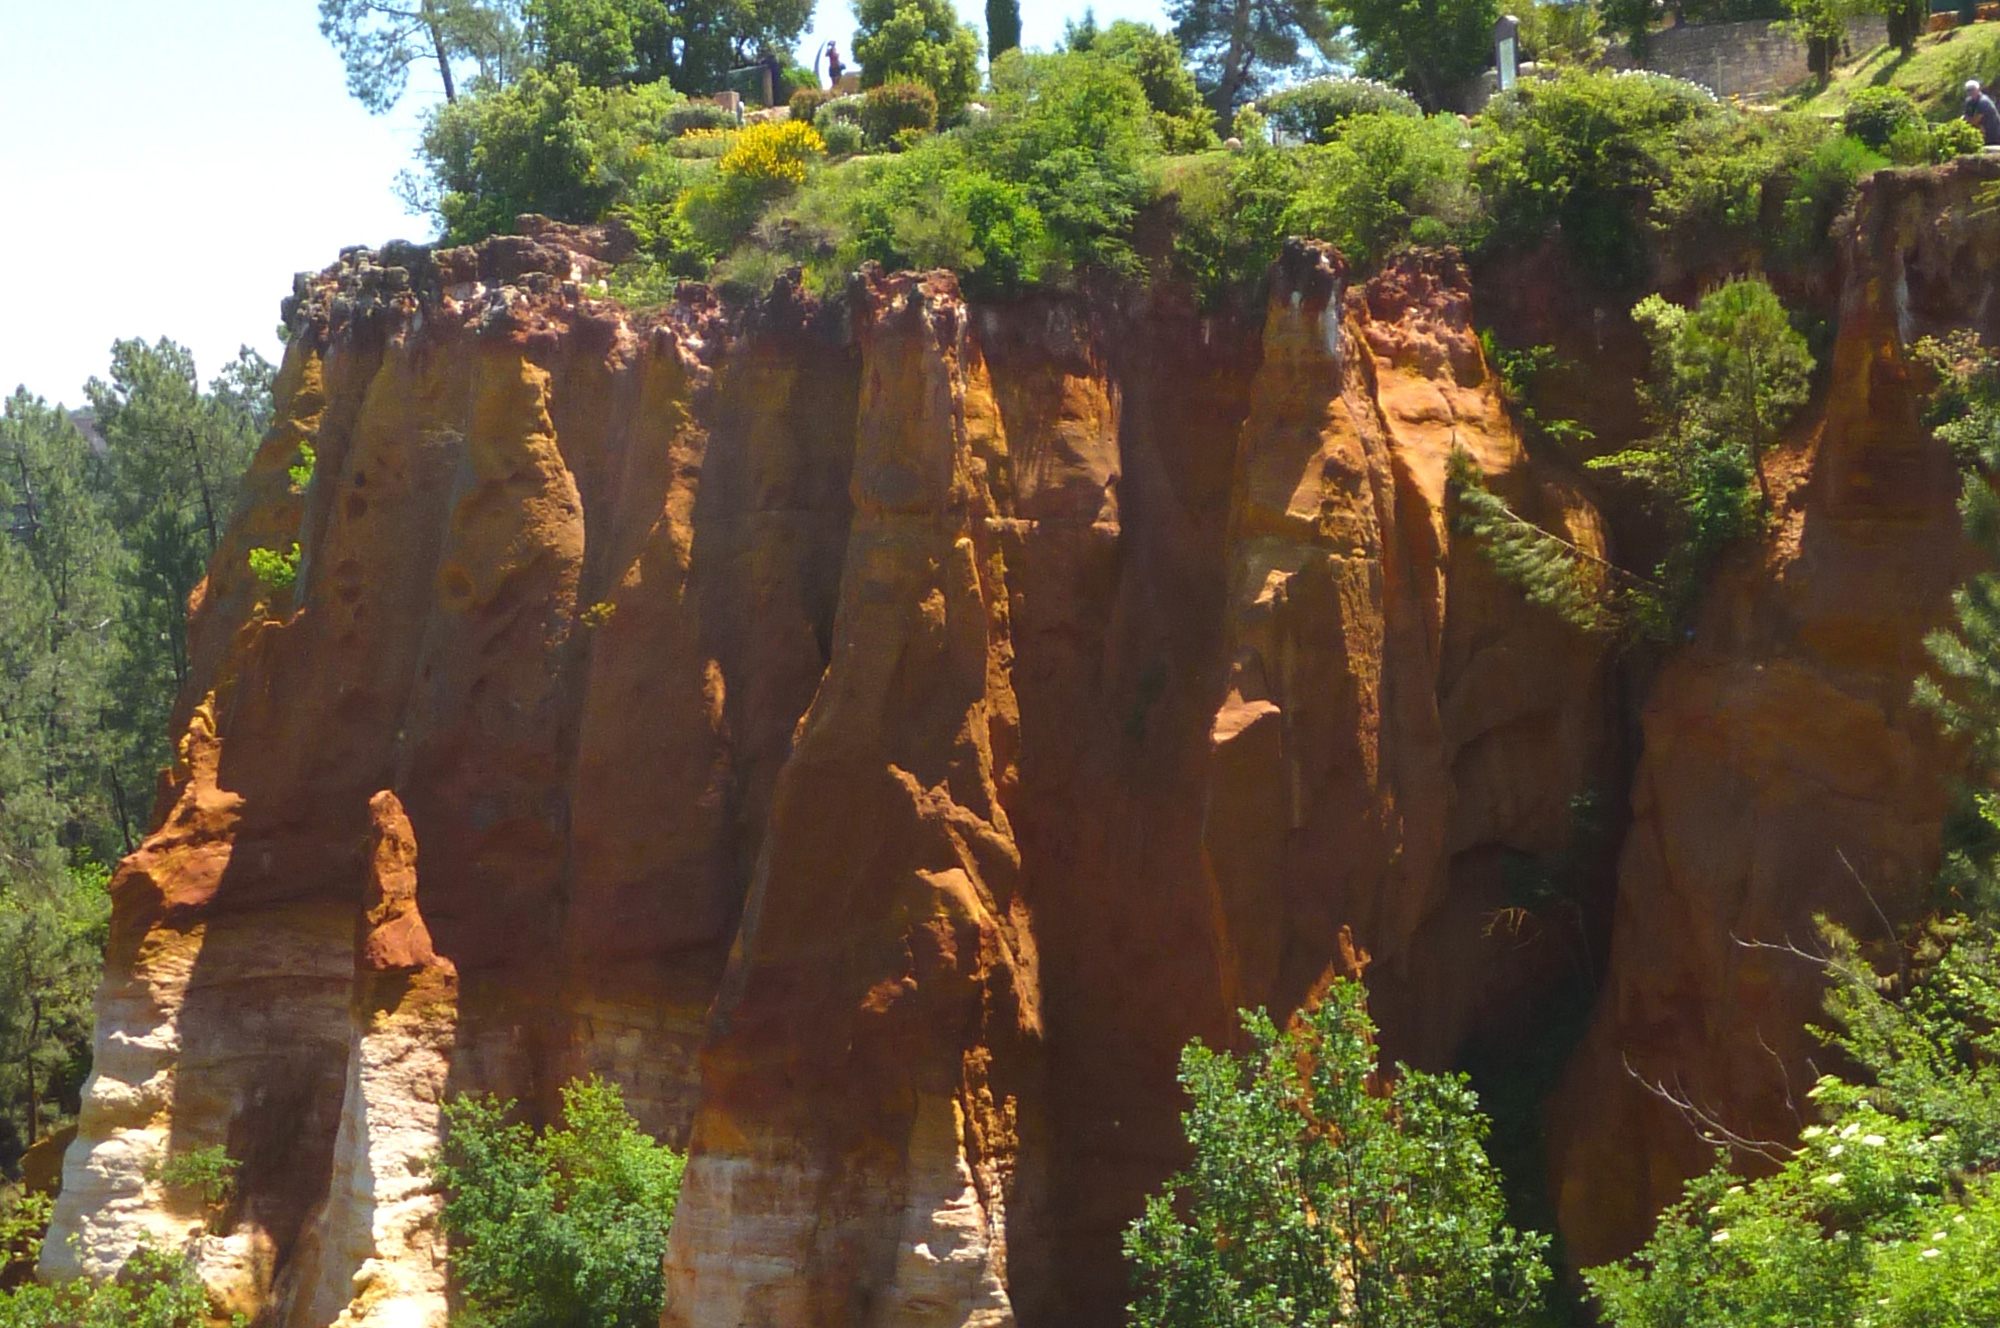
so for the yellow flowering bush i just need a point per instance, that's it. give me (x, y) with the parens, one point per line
(775, 152)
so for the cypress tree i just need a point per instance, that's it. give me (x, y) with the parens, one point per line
(1003, 27)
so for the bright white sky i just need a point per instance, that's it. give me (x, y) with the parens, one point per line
(166, 165)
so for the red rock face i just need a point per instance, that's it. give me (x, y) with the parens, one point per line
(1785, 773)
(878, 733)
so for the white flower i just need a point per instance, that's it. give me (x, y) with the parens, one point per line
(1718, 1238)
(1738, 1189)
(1836, 1150)
(1873, 1140)
(1811, 1132)
(1714, 1209)
(1937, 1235)
(1830, 1178)
(1851, 1130)
(1959, 1218)
(1928, 1254)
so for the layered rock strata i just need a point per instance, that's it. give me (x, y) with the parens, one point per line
(877, 733)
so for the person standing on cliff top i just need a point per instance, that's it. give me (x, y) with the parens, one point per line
(1981, 113)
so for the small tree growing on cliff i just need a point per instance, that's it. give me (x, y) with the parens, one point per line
(561, 1229)
(1728, 375)
(1318, 1195)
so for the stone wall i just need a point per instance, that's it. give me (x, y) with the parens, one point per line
(1738, 59)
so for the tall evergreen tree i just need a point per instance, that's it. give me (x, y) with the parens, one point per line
(379, 41)
(1003, 27)
(60, 600)
(174, 459)
(1237, 46)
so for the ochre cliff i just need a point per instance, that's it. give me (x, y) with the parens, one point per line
(878, 732)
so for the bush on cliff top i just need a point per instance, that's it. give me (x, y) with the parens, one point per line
(564, 1228)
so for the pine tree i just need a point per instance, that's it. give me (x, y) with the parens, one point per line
(1550, 571)
(1728, 375)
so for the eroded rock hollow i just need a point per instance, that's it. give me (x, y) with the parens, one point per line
(878, 732)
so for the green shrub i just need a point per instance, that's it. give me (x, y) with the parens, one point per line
(1591, 153)
(1318, 1196)
(207, 1176)
(562, 1228)
(154, 1289)
(805, 102)
(842, 137)
(1874, 115)
(1920, 144)
(545, 144)
(1074, 132)
(892, 110)
(1231, 220)
(301, 471)
(1386, 180)
(1184, 122)
(918, 41)
(277, 570)
(1963, 688)
(1818, 192)
(839, 110)
(689, 115)
(1315, 111)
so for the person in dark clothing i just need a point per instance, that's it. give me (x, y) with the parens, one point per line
(1981, 113)
(834, 68)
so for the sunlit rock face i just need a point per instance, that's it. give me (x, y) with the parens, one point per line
(1785, 773)
(878, 732)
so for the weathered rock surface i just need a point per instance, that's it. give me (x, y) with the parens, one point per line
(1785, 772)
(878, 733)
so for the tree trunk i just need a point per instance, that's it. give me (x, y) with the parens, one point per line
(1236, 64)
(201, 486)
(437, 48)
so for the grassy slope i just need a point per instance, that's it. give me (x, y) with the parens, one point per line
(1933, 74)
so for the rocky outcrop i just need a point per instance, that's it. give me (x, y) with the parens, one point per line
(1785, 773)
(875, 733)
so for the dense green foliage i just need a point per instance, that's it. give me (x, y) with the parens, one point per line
(1238, 47)
(918, 41)
(1315, 1199)
(562, 1228)
(380, 40)
(1430, 46)
(691, 45)
(99, 553)
(1884, 1213)
(155, 1289)
(1727, 376)
(1314, 111)
(1183, 122)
